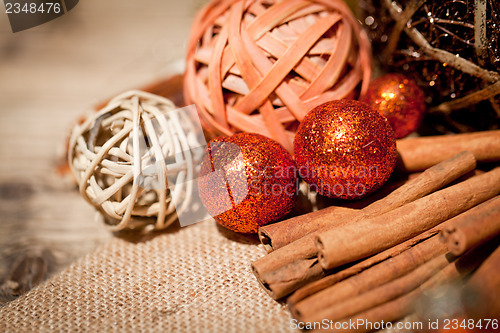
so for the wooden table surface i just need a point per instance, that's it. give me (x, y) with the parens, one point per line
(49, 76)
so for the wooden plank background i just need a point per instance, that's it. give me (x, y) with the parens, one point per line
(49, 76)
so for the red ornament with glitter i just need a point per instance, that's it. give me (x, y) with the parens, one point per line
(345, 149)
(400, 100)
(246, 181)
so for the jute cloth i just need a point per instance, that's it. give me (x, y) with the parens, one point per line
(192, 279)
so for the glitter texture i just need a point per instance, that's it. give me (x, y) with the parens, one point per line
(259, 185)
(345, 149)
(400, 100)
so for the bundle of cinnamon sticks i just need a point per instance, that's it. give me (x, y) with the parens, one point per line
(373, 263)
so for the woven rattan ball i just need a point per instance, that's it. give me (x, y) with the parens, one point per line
(123, 155)
(259, 66)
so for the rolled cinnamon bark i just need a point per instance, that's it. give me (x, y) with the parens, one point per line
(379, 294)
(404, 305)
(363, 265)
(368, 279)
(285, 270)
(466, 263)
(294, 265)
(474, 227)
(276, 235)
(482, 289)
(423, 152)
(279, 234)
(354, 241)
(395, 309)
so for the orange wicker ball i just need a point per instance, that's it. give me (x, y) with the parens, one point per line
(259, 66)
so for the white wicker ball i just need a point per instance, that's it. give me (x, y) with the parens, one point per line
(123, 154)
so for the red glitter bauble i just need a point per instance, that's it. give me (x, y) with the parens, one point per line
(246, 181)
(400, 100)
(345, 149)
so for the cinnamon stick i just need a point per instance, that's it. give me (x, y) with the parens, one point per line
(368, 279)
(482, 289)
(338, 276)
(276, 235)
(381, 293)
(474, 227)
(404, 305)
(423, 152)
(395, 309)
(279, 234)
(373, 261)
(294, 265)
(354, 241)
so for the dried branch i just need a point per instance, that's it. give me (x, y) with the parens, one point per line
(480, 40)
(454, 60)
(405, 16)
(473, 98)
(495, 106)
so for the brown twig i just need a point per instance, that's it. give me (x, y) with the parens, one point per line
(442, 56)
(480, 40)
(405, 16)
(490, 78)
(473, 98)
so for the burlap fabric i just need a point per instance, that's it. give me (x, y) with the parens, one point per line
(193, 279)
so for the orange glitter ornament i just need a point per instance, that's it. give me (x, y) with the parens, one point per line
(246, 181)
(345, 149)
(400, 100)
